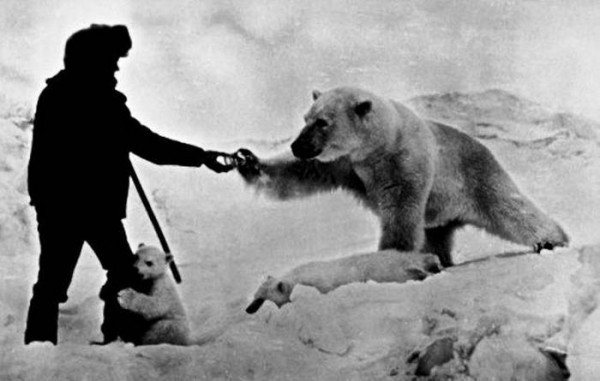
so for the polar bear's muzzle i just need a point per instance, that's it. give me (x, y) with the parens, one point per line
(305, 151)
(310, 143)
(255, 305)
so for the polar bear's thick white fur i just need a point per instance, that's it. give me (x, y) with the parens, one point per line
(381, 266)
(423, 179)
(155, 301)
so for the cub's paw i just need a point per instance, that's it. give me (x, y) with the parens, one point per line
(125, 297)
(247, 164)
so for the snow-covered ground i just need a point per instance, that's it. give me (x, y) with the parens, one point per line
(501, 314)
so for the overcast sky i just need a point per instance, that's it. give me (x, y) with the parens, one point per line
(221, 70)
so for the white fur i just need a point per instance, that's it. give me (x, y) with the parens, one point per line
(423, 179)
(381, 266)
(158, 303)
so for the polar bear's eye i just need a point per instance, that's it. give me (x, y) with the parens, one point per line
(149, 263)
(320, 123)
(280, 287)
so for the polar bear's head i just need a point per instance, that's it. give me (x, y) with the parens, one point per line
(276, 290)
(337, 124)
(151, 262)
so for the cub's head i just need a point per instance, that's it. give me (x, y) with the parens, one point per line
(336, 125)
(151, 262)
(273, 289)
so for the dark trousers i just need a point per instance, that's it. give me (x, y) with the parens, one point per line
(61, 241)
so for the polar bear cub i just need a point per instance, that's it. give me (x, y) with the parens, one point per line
(155, 301)
(381, 266)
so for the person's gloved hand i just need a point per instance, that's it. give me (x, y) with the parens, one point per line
(218, 162)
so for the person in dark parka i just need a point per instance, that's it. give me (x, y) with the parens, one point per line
(79, 175)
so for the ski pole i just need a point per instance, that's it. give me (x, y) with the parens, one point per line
(159, 232)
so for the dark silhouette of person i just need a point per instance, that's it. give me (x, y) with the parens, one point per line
(79, 175)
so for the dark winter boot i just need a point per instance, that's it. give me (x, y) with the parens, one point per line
(42, 321)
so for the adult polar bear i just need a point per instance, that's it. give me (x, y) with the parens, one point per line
(423, 179)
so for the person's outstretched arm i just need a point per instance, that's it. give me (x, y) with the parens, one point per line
(164, 151)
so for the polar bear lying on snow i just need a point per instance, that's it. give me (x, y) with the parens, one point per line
(325, 276)
(155, 302)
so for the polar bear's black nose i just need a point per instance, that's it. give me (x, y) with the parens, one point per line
(255, 305)
(303, 149)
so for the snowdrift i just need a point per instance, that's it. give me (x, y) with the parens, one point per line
(503, 313)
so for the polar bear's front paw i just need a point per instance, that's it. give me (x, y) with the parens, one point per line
(431, 264)
(247, 164)
(125, 298)
(547, 245)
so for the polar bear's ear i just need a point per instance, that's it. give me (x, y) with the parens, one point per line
(363, 108)
(316, 94)
(168, 258)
